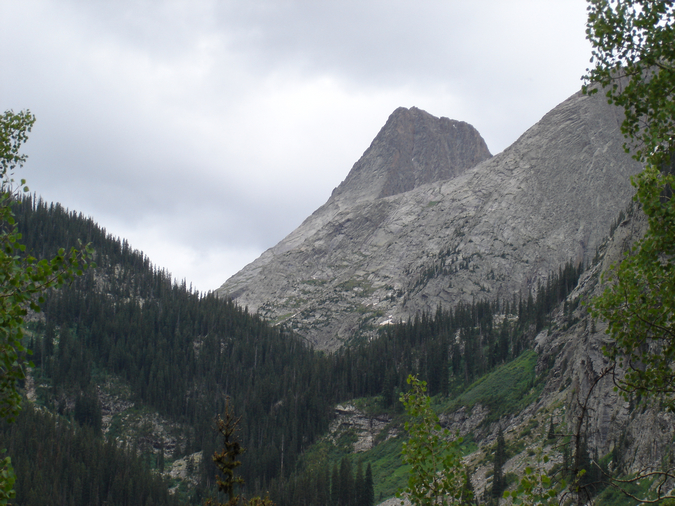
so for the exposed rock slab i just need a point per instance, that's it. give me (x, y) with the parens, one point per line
(366, 428)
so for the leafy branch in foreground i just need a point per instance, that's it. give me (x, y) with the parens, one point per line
(634, 53)
(437, 475)
(639, 305)
(23, 279)
(535, 486)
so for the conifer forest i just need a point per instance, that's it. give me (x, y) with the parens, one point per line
(181, 354)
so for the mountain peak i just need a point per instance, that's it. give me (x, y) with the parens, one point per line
(414, 226)
(413, 148)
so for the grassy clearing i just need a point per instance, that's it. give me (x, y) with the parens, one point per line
(389, 474)
(507, 389)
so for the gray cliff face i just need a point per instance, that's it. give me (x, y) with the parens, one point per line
(415, 225)
(641, 433)
(570, 361)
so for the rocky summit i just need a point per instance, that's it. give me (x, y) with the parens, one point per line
(427, 217)
(413, 148)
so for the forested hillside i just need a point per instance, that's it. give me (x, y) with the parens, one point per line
(59, 463)
(180, 353)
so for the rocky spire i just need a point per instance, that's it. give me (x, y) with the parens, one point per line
(413, 148)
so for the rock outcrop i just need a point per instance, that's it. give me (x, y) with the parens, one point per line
(415, 225)
(366, 428)
(641, 432)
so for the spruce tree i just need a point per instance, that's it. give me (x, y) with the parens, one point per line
(468, 492)
(346, 482)
(498, 482)
(335, 486)
(323, 486)
(227, 460)
(359, 484)
(160, 457)
(551, 430)
(368, 488)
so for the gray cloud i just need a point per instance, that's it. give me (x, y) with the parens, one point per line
(205, 131)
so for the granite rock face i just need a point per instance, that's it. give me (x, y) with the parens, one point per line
(637, 433)
(427, 217)
(570, 356)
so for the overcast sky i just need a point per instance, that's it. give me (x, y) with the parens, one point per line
(206, 131)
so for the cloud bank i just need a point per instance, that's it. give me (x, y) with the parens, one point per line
(205, 131)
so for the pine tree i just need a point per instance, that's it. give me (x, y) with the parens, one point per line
(227, 460)
(335, 491)
(346, 482)
(160, 457)
(498, 482)
(359, 484)
(369, 490)
(468, 492)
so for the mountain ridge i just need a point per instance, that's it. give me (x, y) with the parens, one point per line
(161, 320)
(494, 230)
(379, 181)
